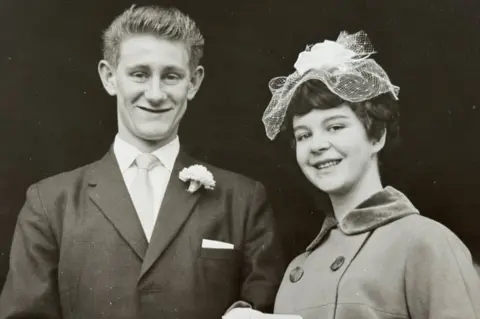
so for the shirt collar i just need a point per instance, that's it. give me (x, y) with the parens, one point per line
(127, 153)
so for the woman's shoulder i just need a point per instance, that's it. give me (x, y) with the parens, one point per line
(425, 234)
(419, 225)
(419, 233)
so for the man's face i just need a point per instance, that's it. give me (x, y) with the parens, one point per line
(152, 82)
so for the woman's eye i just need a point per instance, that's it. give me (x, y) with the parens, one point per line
(336, 127)
(302, 137)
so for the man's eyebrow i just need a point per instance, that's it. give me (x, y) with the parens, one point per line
(137, 66)
(174, 68)
(168, 68)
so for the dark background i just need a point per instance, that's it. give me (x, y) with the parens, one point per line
(55, 116)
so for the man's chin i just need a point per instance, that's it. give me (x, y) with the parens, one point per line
(155, 137)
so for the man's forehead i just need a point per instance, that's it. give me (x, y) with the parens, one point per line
(148, 49)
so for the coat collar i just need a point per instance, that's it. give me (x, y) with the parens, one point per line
(108, 191)
(380, 209)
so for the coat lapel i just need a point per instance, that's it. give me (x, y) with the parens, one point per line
(176, 207)
(108, 191)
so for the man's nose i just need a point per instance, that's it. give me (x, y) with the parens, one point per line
(155, 93)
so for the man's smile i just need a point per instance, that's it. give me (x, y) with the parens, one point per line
(156, 111)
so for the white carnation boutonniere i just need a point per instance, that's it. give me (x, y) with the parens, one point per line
(198, 176)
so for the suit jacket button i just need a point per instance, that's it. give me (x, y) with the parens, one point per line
(296, 274)
(337, 263)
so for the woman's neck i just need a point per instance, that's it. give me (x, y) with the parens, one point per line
(345, 202)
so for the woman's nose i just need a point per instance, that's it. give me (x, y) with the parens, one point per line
(319, 144)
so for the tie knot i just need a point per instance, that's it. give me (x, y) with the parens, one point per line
(146, 161)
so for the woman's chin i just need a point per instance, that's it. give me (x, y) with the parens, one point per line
(329, 186)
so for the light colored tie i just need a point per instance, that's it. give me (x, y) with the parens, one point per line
(142, 192)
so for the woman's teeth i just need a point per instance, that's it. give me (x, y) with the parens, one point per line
(327, 164)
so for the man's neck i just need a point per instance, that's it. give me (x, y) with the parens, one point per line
(146, 146)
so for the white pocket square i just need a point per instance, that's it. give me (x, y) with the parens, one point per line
(215, 244)
(247, 313)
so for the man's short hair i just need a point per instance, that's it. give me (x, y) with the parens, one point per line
(164, 22)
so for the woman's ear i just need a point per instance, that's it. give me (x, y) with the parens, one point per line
(379, 144)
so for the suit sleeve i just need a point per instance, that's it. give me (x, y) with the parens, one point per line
(30, 290)
(441, 280)
(263, 264)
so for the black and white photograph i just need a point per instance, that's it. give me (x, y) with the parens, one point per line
(247, 159)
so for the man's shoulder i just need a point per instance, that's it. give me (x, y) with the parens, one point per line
(68, 178)
(229, 178)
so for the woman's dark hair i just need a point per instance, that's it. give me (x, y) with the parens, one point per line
(376, 114)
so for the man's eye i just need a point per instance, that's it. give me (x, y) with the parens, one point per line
(139, 75)
(172, 78)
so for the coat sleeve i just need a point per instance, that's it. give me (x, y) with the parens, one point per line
(30, 290)
(263, 263)
(441, 281)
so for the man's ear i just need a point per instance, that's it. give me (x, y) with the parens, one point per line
(107, 75)
(195, 81)
(379, 144)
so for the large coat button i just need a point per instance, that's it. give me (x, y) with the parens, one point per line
(296, 274)
(337, 263)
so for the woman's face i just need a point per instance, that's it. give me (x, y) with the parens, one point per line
(333, 149)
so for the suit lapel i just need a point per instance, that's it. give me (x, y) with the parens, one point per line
(176, 207)
(108, 191)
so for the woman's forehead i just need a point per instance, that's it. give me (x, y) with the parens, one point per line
(317, 116)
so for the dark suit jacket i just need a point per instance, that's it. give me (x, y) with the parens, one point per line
(79, 250)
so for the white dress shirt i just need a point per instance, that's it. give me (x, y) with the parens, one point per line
(159, 175)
